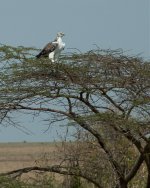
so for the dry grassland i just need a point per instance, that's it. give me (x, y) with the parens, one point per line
(18, 155)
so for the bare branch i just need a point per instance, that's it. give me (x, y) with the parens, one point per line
(55, 169)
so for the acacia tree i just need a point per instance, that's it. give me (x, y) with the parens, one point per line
(105, 93)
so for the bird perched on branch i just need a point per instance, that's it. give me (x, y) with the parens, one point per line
(53, 49)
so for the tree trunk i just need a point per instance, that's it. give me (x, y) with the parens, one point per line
(148, 181)
(122, 184)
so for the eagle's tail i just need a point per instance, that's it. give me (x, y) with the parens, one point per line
(38, 56)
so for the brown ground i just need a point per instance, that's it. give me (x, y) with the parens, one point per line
(18, 155)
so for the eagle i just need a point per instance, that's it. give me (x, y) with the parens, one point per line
(53, 49)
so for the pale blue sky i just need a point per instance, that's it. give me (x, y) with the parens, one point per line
(108, 23)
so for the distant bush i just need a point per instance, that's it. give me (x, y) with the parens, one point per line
(45, 182)
(6, 182)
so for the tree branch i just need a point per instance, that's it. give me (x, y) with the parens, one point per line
(112, 161)
(112, 101)
(135, 168)
(55, 169)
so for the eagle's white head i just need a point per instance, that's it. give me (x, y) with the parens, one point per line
(60, 34)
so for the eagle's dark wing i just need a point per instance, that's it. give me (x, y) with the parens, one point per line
(50, 47)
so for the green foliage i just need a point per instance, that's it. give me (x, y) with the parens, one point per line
(10, 183)
(44, 182)
(40, 181)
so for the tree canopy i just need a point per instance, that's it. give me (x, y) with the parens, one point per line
(104, 92)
